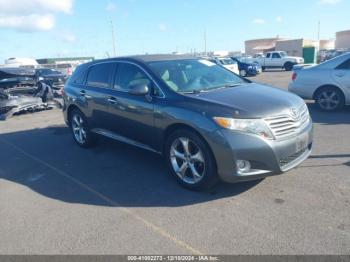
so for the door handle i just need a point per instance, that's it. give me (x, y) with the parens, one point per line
(340, 75)
(83, 94)
(112, 100)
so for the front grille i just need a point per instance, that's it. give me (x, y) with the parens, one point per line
(285, 126)
(289, 159)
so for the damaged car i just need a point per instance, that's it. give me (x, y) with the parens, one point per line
(21, 91)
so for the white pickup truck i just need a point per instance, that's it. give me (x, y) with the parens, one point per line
(278, 59)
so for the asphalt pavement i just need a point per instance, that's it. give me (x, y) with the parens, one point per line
(56, 198)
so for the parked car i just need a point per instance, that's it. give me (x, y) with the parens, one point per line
(327, 83)
(247, 69)
(208, 122)
(226, 62)
(278, 59)
(53, 78)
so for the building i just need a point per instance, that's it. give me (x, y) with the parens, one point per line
(327, 44)
(295, 47)
(342, 40)
(75, 61)
(260, 45)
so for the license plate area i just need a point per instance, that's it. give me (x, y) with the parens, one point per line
(302, 142)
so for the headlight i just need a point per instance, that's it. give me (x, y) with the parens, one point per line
(252, 126)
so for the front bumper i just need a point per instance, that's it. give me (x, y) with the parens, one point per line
(267, 157)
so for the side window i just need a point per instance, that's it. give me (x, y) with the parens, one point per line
(130, 75)
(100, 74)
(275, 55)
(345, 65)
(268, 55)
(78, 76)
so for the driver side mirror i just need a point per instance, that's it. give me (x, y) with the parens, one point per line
(139, 90)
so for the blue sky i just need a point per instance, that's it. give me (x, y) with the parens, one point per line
(38, 29)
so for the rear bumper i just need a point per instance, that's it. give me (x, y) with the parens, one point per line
(302, 91)
(267, 157)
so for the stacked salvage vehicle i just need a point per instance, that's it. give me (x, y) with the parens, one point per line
(24, 90)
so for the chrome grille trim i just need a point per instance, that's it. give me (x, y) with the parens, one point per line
(285, 126)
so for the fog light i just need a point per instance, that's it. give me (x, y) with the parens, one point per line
(243, 166)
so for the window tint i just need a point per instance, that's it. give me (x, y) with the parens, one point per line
(275, 55)
(99, 75)
(130, 75)
(78, 76)
(345, 65)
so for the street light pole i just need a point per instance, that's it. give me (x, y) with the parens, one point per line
(113, 39)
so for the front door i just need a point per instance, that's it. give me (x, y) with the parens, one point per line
(133, 116)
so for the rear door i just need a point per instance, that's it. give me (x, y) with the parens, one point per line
(341, 74)
(96, 92)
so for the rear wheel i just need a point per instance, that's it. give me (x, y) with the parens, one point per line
(330, 99)
(190, 160)
(80, 130)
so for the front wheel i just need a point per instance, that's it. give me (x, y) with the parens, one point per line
(80, 130)
(330, 99)
(190, 160)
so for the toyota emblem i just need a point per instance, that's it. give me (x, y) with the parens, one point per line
(294, 112)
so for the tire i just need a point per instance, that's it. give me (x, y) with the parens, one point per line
(288, 66)
(243, 73)
(80, 130)
(196, 166)
(263, 68)
(330, 99)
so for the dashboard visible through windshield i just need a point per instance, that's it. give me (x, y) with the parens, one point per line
(193, 75)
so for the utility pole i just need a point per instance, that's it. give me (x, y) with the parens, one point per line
(205, 42)
(319, 30)
(113, 39)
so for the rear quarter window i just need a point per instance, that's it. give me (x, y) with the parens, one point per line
(78, 76)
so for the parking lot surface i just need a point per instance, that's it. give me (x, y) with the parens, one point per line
(56, 198)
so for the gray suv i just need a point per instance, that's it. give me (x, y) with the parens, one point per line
(207, 122)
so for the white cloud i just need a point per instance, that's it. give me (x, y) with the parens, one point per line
(32, 15)
(329, 2)
(162, 27)
(111, 7)
(258, 21)
(279, 19)
(28, 23)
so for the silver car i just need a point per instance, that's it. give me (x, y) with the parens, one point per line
(327, 83)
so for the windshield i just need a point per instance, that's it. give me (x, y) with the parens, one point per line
(283, 54)
(227, 61)
(185, 76)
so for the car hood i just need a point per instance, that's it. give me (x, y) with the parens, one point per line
(253, 100)
(55, 76)
(293, 57)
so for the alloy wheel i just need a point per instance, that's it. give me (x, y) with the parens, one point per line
(78, 128)
(329, 100)
(187, 160)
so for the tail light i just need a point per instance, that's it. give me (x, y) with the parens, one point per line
(294, 76)
(69, 71)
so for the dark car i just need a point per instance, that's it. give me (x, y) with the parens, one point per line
(51, 77)
(208, 122)
(247, 69)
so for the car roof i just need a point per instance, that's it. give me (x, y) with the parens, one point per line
(145, 58)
